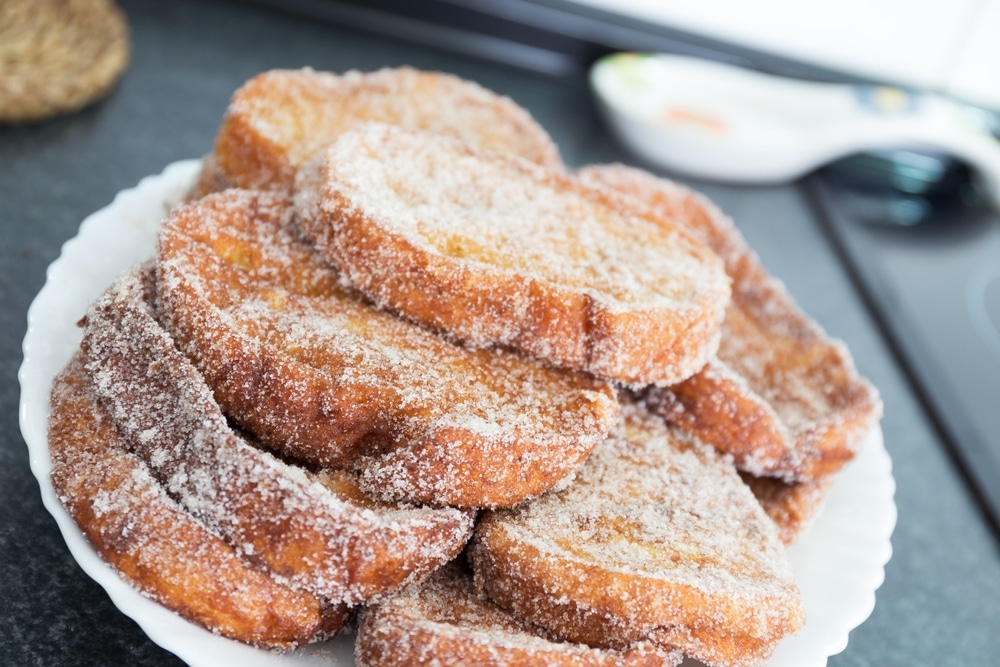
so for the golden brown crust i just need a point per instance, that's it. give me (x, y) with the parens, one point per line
(801, 409)
(317, 372)
(495, 250)
(719, 407)
(657, 539)
(792, 506)
(210, 179)
(275, 514)
(279, 119)
(155, 544)
(444, 622)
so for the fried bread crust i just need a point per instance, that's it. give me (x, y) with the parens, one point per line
(155, 544)
(793, 506)
(782, 397)
(210, 179)
(303, 528)
(443, 621)
(318, 373)
(657, 539)
(279, 119)
(492, 249)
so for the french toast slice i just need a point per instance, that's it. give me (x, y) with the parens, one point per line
(802, 409)
(495, 250)
(310, 530)
(279, 119)
(317, 372)
(657, 539)
(442, 621)
(155, 544)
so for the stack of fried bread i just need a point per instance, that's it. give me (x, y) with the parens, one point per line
(394, 364)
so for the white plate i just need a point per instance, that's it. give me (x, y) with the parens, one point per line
(839, 562)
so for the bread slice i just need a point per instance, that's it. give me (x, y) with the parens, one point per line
(783, 397)
(311, 531)
(442, 621)
(155, 544)
(279, 119)
(318, 373)
(493, 249)
(657, 539)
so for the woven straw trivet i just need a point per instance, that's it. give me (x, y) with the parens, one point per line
(58, 56)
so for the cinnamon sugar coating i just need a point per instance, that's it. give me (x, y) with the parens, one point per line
(657, 539)
(315, 371)
(783, 397)
(442, 621)
(279, 119)
(305, 530)
(155, 544)
(492, 249)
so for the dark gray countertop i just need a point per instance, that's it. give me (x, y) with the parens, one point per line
(940, 604)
